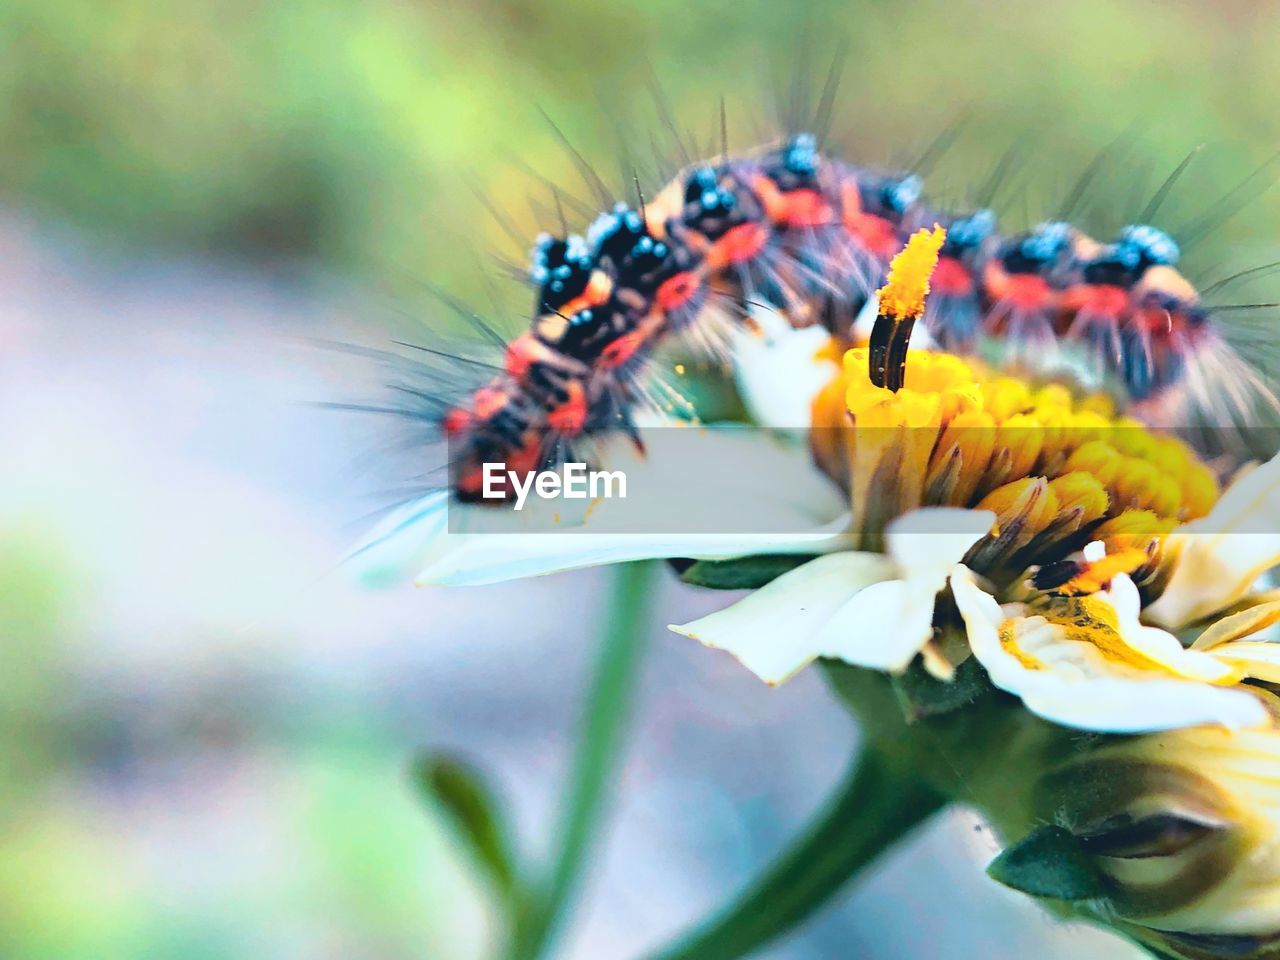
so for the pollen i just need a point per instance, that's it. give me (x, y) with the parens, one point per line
(902, 296)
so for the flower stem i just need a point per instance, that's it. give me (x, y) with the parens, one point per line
(603, 726)
(877, 804)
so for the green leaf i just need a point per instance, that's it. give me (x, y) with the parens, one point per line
(922, 695)
(1049, 862)
(746, 573)
(460, 793)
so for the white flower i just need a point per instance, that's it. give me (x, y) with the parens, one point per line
(1219, 557)
(872, 610)
(1090, 663)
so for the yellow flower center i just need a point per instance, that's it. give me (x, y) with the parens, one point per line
(1057, 469)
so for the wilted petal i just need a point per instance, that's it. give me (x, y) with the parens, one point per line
(775, 630)
(1238, 625)
(1252, 658)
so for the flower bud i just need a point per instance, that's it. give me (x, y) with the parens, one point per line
(1174, 837)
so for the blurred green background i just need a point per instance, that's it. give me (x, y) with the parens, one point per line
(354, 132)
(349, 144)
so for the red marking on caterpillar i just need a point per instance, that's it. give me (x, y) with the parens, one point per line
(877, 235)
(811, 236)
(622, 350)
(799, 208)
(456, 422)
(488, 402)
(739, 244)
(570, 416)
(951, 278)
(1020, 292)
(676, 291)
(1103, 299)
(522, 353)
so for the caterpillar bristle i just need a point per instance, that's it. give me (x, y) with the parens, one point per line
(793, 229)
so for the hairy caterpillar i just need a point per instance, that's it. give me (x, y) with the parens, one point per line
(810, 236)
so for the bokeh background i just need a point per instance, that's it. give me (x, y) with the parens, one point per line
(206, 729)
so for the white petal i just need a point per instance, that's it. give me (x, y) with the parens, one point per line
(1154, 643)
(474, 560)
(1144, 706)
(1220, 556)
(1124, 599)
(1074, 692)
(926, 544)
(401, 542)
(882, 627)
(886, 625)
(776, 369)
(774, 630)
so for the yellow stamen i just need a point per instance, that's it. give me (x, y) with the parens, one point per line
(901, 301)
(1020, 438)
(1133, 529)
(1096, 458)
(1005, 397)
(903, 294)
(960, 459)
(1081, 492)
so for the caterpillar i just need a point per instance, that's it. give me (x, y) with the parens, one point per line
(810, 236)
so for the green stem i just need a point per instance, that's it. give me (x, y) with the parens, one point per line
(599, 748)
(877, 804)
